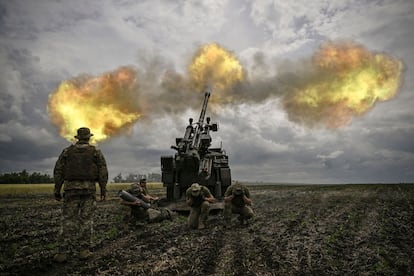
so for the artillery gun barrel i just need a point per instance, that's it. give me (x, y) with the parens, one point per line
(198, 127)
(207, 94)
(195, 161)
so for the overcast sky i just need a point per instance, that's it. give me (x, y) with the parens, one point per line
(45, 42)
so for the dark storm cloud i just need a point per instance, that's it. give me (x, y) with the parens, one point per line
(27, 19)
(26, 149)
(29, 150)
(376, 155)
(45, 42)
(399, 140)
(5, 102)
(25, 142)
(15, 26)
(27, 92)
(139, 156)
(349, 155)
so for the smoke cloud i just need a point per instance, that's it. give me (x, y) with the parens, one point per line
(340, 81)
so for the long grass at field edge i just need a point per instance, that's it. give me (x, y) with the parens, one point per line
(47, 188)
(35, 189)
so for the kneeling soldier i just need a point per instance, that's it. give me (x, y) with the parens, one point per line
(237, 201)
(198, 197)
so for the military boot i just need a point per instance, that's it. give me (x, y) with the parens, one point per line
(85, 254)
(227, 224)
(201, 225)
(226, 220)
(172, 215)
(60, 258)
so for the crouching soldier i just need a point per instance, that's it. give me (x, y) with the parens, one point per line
(198, 198)
(237, 201)
(140, 208)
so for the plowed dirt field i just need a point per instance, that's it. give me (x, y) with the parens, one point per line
(298, 230)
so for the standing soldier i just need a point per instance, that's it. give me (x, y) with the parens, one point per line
(198, 198)
(78, 169)
(237, 201)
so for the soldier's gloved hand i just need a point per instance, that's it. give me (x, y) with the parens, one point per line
(228, 198)
(137, 202)
(58, 196)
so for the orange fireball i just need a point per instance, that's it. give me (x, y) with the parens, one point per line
(347, 81)
(107, 104)
(213, 65)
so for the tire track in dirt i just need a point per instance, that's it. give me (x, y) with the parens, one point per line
(233, 255)
(272, 235)
(74, 266)
(336, 230)
(171, 249)
(246, 250)
(336, 233)
(396, 222)
(298, 237)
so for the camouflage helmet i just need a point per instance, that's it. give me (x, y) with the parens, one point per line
(135, 187)
(195, 189)
(143, 180)
(83, 133)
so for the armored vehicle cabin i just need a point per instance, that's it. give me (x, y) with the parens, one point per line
(195, 161)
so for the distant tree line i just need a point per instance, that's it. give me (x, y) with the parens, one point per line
(24, 177)
(130, 178)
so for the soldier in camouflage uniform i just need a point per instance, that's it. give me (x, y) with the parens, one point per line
(78, 169)
(198, 197)
(139, 213)
(143, 184)
(237, 201)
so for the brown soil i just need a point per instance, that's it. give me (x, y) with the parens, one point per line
(298, 230)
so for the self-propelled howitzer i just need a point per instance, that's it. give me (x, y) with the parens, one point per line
(195, 161)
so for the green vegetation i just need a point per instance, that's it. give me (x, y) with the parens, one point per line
(26, 189)
(46, 188)
(155, 186)
(24, 177)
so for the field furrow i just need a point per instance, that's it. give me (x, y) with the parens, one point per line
(297, 230)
